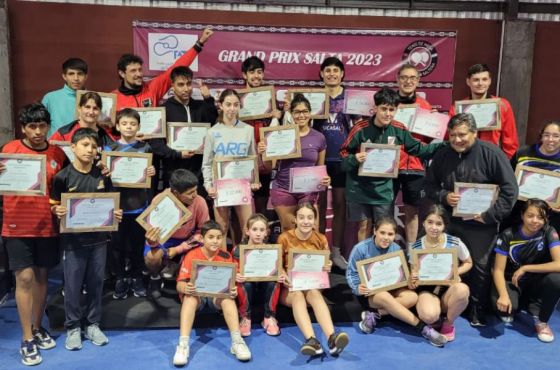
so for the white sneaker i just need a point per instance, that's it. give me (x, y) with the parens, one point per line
(240, 350)
(338, 259)
(181, 355)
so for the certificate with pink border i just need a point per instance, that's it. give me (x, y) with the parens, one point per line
(475, 198)
(232, 192)
(383, 273)
(430, 124)
(89, 212)
(538, 183)
(307, 179)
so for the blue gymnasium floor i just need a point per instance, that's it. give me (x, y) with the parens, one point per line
(392, 346)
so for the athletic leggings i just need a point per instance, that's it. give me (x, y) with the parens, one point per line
(246, 291)
(128, 241)
(540, 291)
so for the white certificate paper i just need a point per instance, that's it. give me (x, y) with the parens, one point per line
(24, 175)
(303, 262)
(212, 279)
(384, 273)
(307, 179)
(256, 103)
(474, 200)
(236, 169)
(89, 212)
(152, 122)
(131, 170)
(280, 143)
(406, 114)
(165, 216)
(232, 192)
(381, 161)
(302, 280)
(430, 124)
(486, 112)
(260, 263)
(188, 138)
(358, 102)
(435, 266)
(544, 185)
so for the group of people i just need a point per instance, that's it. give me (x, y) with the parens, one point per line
(520, 256)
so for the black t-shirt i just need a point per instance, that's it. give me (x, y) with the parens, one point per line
(526, 250)
(70, 180)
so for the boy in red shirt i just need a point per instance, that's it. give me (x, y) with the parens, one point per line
(210, 251)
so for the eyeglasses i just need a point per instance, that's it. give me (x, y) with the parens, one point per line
(551, 136)
(409, 78)
(300, 112)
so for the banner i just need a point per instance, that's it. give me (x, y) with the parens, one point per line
(293, 55)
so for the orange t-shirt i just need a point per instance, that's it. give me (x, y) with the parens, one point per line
(289, 240)
(198, 254)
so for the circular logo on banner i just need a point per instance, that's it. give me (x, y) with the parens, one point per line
(422, 55)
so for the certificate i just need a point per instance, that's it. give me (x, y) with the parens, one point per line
(475, 198)
(260, 262)
(232, 192)
(187, 136)
(66, 148)
(128, 170)
(318, 98)
(358, 102)
(307, 179)
(307, 260)
(152, 122)
(406, 114)
(436, 266)
(303, 280)
(166, 212)
(282, 142)
(213, 279)
(25, 174)
(382, 160)
(383, 273)
(236, 168)
(538, 183)
(108, 112)
(257, 103)
(430, 124)
(89, 212)
(486, 112)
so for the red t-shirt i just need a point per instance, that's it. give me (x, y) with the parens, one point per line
(198, 254)
(30, 216)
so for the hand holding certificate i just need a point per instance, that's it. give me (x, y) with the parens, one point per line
(382, 160)
(153, 124)
(475, 199)
(436, 266)
(24, 174)
(166, 213)
(538, 183)
(383, 273)
(260, 262)
(213, 279)
(232, 192)
(307, 179)
(128, 170)
(486, 112)
(430, 124)
(187, 136)
(88, 212)
(257, 103)
(306, 269)
(282, 142)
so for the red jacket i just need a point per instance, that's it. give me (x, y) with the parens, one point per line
(410, 162)
(153, 90)
(506, 137)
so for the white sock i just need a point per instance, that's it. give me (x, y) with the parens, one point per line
(236, 336)
(184, 340)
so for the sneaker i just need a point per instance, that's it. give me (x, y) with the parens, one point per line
(448, 331)
(121, 289)
(435, 338)
(95, 334)
(476, 317)
(270, 325)
(154, 286)
(240, 350)
(245, 327)
(139, 288)
(367, 325)
(169, 272)
(73, 339)
(30, 354)
(544, 333)
(43, 339)
(181, 355)
(337, 342)
(338, 259)
(311, 347)
(507, 319)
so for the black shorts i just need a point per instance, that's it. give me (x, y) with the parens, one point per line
(27, 252)
(338, 177)
(412, 187)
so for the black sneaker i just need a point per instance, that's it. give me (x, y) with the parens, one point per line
(30, 354)
(311, 347)
(43, 339)
(154, 287)
(139, 288)
(121, 289)
(476, 317)
(337, 342)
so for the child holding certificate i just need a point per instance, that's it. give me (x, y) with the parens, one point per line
(30, 233)
(527, 269)
(183, 185)
(452, 300)
(313, 147)
(256, 232)
(191, 303)
(228, 138)
(396, 303)
(304, 236)
(128, 241)
(84, 253)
